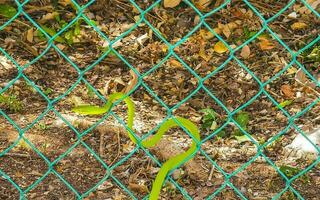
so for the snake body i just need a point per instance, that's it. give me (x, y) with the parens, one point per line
(170, 164)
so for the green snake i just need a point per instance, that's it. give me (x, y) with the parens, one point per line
(170, 164)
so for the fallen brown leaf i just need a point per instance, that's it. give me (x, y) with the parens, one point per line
(287, 91)
(245, 52)
(133, 82)
(138, 188)
(202, 4)
(171, 3)
(266, 45)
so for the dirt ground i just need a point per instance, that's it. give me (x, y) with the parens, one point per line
(120, 170)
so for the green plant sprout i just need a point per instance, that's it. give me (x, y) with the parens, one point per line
(170, 164)
(11, 102)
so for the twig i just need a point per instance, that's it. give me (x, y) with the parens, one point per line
(17, 155)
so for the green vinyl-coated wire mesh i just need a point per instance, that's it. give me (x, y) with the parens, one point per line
(141, 83)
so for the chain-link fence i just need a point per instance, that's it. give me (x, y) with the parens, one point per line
(53, 39)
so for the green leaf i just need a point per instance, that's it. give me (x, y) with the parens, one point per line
(221, 134)
(242, 138)
(209, 113)
(53, 32)
(289, 171)
(48, 91)
(314, 54)
(209, 118)
(105, 49)
(90, 92)
(285, 103)
(7, 11)
(77, 29)
(89, 110)
(69, 36)
(93, 22)
(247, 33)
(242, 119)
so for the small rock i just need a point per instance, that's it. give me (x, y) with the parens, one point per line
(292, 15)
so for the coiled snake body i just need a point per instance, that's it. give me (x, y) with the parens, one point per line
(170, 164)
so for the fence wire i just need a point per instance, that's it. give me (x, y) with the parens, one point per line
(171, 53)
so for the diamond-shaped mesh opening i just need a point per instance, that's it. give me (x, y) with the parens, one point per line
(137, 173)
(232, 85)
(175, 85)
(49, 138)
(203, 110)
(52, 65)
(19, 99)
(115, 23)
(81, 169)
(292, 149)
(173, 24)
(230, 149)
(122, 80)
(259, 180)
(21, 37)
(200, 52)
(297, 26)
(235, 23)
(310, 119)
(142, 48)
(84, 46)
(199, 177)
(51, 187)
(265, 120)
(293, 90)
(26, 167)
(110, 141)
(260, 57)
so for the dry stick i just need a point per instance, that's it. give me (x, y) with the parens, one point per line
(17, 155)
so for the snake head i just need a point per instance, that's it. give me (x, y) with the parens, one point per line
(89, 110)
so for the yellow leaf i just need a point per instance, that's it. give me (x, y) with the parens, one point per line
(171, 3)
(174, 63)
(202, 4)
(30, 35)
(219, 47)
(299, 26)
(263, 37)
(203, 54)
(266, 45)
